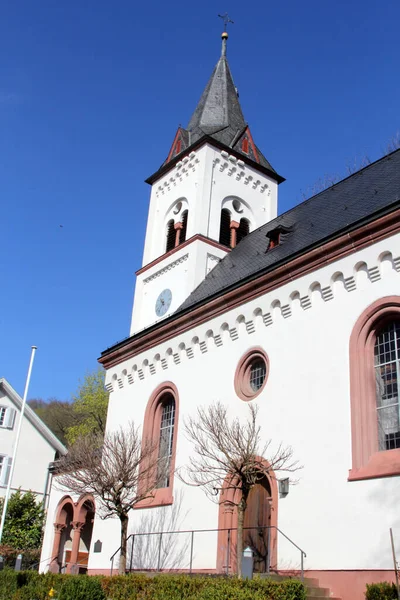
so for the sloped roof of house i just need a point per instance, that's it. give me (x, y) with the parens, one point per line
(32, 417)
(343, 206)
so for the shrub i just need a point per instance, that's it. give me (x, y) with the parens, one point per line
(30, 585)
(81, 588)
(381, 591)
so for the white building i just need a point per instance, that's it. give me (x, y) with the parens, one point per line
(37, 448)
(301, 317)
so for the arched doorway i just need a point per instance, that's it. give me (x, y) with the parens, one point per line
(262, 511)
(62, 535)
(73, 529)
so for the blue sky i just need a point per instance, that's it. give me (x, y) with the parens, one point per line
(91, 94)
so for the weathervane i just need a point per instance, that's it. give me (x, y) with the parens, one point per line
(226, 19)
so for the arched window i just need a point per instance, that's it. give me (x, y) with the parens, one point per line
(387, 364)
(374, 376)
(160, 428)
(182, 237)
(243, 230)
(166, 440)
(170, 236)
(225, 228)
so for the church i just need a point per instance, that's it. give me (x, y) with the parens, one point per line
(298, 313)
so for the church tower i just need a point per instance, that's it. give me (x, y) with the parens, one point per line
(214, 188)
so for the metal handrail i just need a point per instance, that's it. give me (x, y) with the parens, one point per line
(229, 530)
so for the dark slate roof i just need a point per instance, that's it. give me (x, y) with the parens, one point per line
(330, 213)
(218, 114)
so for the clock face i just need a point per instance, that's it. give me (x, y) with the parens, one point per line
(163, 302)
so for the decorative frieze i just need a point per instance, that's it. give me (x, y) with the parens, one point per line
(167, 268)
(319, 293)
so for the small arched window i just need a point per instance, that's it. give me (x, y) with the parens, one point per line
(182, 237)
(166, 440)
(160, 429)
(387, 369)
(243, 230)
(170, 236)
(225, 228)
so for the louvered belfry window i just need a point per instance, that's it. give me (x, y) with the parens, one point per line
(243, 230)
(166, 441)
(225, 228)
(387, 369)
(182, 237)
(170, 236)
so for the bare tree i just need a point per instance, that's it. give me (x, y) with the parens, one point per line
(119, 471)
(229, 454)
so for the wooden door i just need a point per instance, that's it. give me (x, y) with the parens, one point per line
(258, 516)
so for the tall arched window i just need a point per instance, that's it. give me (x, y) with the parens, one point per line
(387, 365)
(170, 236)
(225, 228)
(160, 429)
(374, 376)
(243, 230)
(182, 237)
(166, 440)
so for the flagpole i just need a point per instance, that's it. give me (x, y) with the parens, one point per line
(21, 418)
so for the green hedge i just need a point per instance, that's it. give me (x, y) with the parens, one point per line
(381, 591)
(32, 586)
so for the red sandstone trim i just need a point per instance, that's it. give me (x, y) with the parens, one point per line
(242, 374)
(79, 512)
(368, 461)
(348, 584)
(307, 263)
(198, 236)
(178, 133)
(151, 431)
(253, 146)
(227, 519)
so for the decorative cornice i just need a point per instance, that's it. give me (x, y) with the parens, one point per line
(316, 258)
(198, 236)
(186, 165)
(212, 142)
(167, 268)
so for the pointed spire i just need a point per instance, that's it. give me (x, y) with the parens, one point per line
(218, 112)
(219, 115)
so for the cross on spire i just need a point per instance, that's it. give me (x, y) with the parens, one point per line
(226, 19)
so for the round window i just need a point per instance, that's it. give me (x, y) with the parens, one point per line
(258, 372)
(251, 374)
(177, 208)
(237, 205)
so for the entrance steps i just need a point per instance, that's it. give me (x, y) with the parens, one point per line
(314, 591)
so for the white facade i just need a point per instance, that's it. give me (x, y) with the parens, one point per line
(305, 404)
(37, 445)
(203, 183)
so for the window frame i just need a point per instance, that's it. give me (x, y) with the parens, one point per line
(243, 387)
(368, 462)
(151, 431)
(3, 422)
(9, 417)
